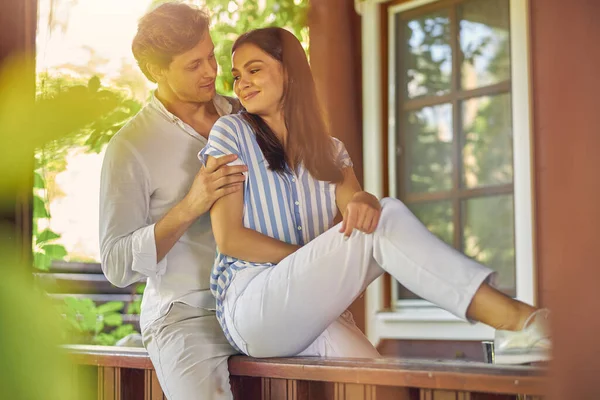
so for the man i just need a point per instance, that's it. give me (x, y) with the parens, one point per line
(154, 202)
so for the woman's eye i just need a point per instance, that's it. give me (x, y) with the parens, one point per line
(253, 71)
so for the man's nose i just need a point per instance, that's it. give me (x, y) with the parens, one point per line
(209, 71)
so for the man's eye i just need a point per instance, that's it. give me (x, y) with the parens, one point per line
(236, 78)
(211, 56)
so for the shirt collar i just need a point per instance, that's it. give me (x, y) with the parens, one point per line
(222, 106)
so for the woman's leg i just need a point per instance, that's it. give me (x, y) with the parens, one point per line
(496, 309)
(341, 339)
(438, 273)
(284, 309)
(280, 311)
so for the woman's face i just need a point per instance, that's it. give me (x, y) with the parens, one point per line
(258, 80)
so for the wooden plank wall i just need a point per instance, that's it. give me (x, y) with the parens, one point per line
(115, 383)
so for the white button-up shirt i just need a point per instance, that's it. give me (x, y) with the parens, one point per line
(148, 168)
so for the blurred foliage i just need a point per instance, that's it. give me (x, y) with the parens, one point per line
(32, 365)
(29, 124)
(135, 306)
(88, 323)
(231, 18)
(50, 158)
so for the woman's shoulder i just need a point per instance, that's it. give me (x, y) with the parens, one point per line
(337, 142)
(234, 123)
(338, 145)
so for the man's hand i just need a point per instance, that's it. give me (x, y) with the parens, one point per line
(213, 182)
(362, 213)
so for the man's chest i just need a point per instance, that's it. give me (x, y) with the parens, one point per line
(173, 170)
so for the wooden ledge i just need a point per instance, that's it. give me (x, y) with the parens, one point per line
(427, 374)
(110, 356)
(417, 373)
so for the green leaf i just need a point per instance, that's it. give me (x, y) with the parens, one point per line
(134, 308)
(139, 289)
(55, 251)
(122, 331)
(39, 208)
(41, 261)
(110, 307)
(114, 319)
(38, 181)
(118, 116)
(94, 84)
(46, 236)
(104, 339)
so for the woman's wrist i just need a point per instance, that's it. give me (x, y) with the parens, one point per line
(367, 197)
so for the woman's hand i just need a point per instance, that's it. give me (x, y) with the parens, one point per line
(362, 213)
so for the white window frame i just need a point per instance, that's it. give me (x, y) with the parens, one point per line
(418, 319)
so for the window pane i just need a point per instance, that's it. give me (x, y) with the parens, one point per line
(487, 153)
(485, 42)
(428, 155)
(489, 236)
(437, 217)
(427, 55)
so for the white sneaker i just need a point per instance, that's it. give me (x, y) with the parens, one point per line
(530, 344)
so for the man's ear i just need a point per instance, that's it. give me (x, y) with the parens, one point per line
(157, 72)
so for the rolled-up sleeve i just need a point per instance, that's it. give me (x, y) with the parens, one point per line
(127, 241)
(343, 159)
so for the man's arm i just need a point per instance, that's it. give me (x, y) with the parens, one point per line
(124, 216)
(211, 183)
(131, 248)
(234, 240)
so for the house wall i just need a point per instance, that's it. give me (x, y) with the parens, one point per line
(566, 141)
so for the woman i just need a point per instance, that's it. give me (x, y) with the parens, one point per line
(284, 274)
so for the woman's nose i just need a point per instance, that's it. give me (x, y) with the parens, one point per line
(244, 83)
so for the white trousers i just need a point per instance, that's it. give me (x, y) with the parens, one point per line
(189, 351)
(279, 311)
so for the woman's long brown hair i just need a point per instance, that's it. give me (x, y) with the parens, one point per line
(308, 141)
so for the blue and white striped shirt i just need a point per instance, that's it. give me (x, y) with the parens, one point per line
(290, 206)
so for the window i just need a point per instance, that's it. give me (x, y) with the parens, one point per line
(453, 142)
(456, 127)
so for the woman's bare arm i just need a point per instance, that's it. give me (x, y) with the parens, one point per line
(234, 240)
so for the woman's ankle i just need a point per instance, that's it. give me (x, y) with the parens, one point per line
(521, 316)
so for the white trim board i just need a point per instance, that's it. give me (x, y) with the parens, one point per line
(420, 321)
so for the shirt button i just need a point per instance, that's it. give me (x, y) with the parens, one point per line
(297, 203)
(293, 179)
(299, 228)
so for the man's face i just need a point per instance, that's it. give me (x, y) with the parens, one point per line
(191, 75)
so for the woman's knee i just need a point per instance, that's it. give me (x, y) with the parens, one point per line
(391, 210)
(391, 203)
